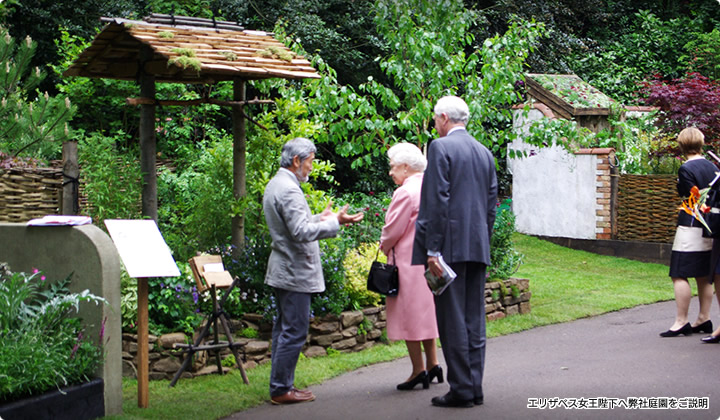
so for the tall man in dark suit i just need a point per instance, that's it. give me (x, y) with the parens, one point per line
(457, 212)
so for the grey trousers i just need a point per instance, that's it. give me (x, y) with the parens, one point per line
(460, 312)
(288, 336)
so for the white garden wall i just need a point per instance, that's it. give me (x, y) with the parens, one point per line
(557, 193)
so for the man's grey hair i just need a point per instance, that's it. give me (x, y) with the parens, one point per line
(300, 147)
(409, 154)
(455, 108)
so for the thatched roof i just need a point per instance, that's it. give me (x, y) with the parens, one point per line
(189, 51)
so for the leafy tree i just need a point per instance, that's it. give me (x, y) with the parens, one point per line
(567, 23)
(604, 42)
(653, 46)
(426, 61)
(691, 101)
(31, 123)
(703, 55)
(340, 31)
(362, 123)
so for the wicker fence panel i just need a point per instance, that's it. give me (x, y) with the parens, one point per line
(647, 208)
(29, 193)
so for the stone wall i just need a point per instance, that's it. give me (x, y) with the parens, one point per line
(350, 331)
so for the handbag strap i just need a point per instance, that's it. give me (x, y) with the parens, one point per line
(378, 253)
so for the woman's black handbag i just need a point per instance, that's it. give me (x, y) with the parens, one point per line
(383, 278)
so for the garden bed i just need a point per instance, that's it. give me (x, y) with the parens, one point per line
(351, 331)
(77, 402)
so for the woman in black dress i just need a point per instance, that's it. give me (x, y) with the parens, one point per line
(691, 251)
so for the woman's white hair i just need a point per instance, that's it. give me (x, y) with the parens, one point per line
(409, 154)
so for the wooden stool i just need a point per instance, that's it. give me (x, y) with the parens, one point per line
(210, 275)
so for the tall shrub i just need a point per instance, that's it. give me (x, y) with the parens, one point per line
(504, 259)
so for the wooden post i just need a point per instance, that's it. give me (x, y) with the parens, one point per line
(147, 140)
(149, 210)
(142, 342)
(239, 164)
(71, 173)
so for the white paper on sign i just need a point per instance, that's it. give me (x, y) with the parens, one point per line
(60, 220)
(213, 268)
(142, 248)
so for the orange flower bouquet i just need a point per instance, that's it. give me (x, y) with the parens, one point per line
(695, 206)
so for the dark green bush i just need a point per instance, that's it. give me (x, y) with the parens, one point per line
(176, 305)
(504, 259)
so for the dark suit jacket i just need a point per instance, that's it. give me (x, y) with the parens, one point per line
(458, 201)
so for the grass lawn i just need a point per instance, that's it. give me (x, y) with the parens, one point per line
(565, 285)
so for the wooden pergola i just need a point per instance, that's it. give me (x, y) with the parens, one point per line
(177, 49)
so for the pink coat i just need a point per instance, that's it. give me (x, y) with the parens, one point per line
(411, 314)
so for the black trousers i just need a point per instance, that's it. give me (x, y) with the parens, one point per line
(460, 312)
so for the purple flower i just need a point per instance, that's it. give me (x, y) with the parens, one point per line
(77, 345)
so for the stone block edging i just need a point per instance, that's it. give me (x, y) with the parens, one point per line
(350, 331)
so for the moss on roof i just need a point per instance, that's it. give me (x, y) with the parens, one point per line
(573, 90)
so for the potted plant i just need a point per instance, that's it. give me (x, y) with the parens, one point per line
(46, 360)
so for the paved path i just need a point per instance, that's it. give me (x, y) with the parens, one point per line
(617, 355)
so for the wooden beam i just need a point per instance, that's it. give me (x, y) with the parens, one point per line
(193, 102)
(199, 101)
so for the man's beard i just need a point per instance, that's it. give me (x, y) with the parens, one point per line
(300, 177)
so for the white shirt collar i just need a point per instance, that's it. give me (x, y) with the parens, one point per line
(452, 130)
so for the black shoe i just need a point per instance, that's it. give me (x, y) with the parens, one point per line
(705, 327)
(711, 339)
(448, 400)
(435, 372)
(686, 329)
(478, 400)
(421, 377)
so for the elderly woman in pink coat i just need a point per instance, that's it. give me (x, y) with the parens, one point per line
(410, 314)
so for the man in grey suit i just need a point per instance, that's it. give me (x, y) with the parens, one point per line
(455, 221)
(294, 267)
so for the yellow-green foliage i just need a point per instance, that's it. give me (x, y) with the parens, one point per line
(357, 265)
(276, 52)
(166, 34)
(185, 62)
(229, 55)
(186, 52)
